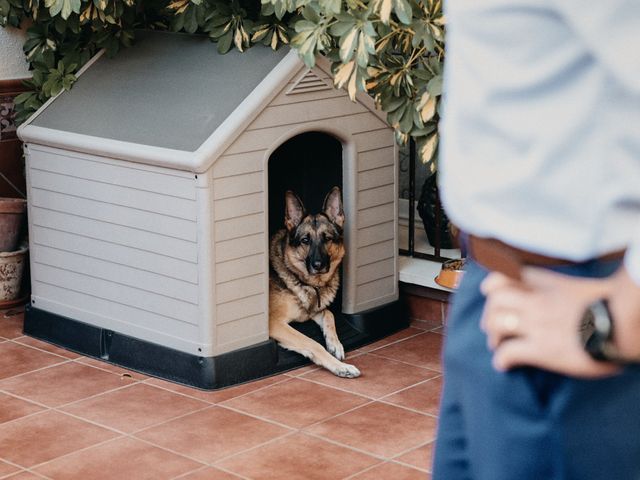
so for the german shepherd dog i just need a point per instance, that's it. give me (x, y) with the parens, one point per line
(305, 257)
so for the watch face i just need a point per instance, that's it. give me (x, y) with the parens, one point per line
(597, 332)
(587, 326)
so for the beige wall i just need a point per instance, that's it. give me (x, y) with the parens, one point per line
(12, 60)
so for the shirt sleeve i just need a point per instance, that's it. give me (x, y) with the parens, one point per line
(632, 259)
(611, 33)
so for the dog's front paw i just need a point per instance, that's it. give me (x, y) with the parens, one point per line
(345, 370)
(336, 349)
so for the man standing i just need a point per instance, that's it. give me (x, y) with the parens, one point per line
(540, 167)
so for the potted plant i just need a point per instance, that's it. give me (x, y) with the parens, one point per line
(13, 254)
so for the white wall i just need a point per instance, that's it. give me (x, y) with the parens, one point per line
(12, 60)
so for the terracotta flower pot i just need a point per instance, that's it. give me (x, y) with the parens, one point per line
(11, 271)
(12, 211)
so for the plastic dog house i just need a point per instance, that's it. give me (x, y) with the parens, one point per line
(148, 207)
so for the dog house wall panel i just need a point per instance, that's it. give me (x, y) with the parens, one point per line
(247, 158)
(116, 244)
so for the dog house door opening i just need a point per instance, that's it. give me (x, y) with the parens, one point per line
(309, 164)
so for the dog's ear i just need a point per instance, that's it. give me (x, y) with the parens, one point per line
(333, 207)
(293, 210)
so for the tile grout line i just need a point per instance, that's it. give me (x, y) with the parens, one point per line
(216, 463)
(164, 422)
(41, 464)
(96, 395)
(15, 420)
(311, 380)
(403, 389)
(344, 445)
(340, 389)
(214, 391)
(404, 464)
(182, 475)
(408, 363)
(9, 462)
(369, 397)
(115, 430)
(409, 450)
(126, 371)
(16, 342)
(369, 468)
(395, 342)
(409, 409)
(257, 417)
(36, 370)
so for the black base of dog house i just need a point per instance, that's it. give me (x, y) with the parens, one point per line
(209, 373)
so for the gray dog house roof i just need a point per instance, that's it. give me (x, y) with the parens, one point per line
(171, 100)
(177, 83)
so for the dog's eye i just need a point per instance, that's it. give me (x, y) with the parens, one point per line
(304, 240)
(327, 238)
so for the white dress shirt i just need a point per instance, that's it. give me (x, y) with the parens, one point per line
(541, 125)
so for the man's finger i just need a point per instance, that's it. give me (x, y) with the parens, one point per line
(539, 278)
(495, 281)
(516, 352)
(519, 352)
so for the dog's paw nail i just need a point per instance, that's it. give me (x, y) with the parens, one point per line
(348, 371)
(337, 351)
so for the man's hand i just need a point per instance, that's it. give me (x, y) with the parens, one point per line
(536, 321)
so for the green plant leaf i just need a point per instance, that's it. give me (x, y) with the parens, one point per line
(224, 42)
(347, 44)
(402, 9)
(434, 87)
(62, 7)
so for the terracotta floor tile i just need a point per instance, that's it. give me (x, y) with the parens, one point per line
(211, 434)
(127, 409)
(380, 376)
(62, 384)
(424, 397)
(423, 350)
(298, 457)
(47, 435)
(402, 334)
(47, 347)
(125, 458)
(11, 326)
(391, 471)
(210, 473)
(6, 469)
(12, 408)
(109, 367)
(296, 403)
(421, 457)
(217, 396)
(381, 429)
(18, 359)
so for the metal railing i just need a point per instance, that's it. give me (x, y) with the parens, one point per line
(411, 250)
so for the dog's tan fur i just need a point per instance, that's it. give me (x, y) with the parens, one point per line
(298, 295)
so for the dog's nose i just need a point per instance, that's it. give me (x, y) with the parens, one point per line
(317, 265)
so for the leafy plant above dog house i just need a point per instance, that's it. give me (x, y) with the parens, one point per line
(154, 184)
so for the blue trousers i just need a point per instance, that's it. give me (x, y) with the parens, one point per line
(530, 424)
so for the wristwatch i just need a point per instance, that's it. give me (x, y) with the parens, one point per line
(597, 332)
